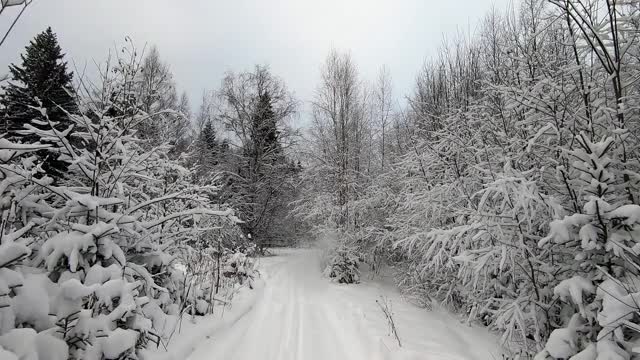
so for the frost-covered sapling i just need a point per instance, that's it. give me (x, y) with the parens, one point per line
(599, 283)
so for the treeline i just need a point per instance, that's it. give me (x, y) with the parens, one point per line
(119, 213)
(507, 188)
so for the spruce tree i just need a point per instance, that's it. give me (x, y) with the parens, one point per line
(41, 81)
(206, 152)
(210, 142)
(265, 132)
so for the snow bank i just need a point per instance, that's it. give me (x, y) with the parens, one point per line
(192, 332)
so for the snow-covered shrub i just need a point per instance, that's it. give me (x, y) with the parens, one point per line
(491, 253)
(513, 187)
(239, 266)
(87, 265)
(343, 265)
(203, 259)
(597, 293)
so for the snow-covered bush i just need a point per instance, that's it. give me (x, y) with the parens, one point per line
(598, 289)
(509, 190)
(199, 260)
(343, 265)
(87, 265)
(240, 267)
(491, 253)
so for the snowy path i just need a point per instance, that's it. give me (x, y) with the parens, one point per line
(301, 316)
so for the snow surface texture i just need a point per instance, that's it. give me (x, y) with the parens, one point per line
(298, 314)
(192, 331)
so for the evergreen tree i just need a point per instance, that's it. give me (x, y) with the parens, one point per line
(265, 132)
(41, 81)
(208, 159)
(210, 142)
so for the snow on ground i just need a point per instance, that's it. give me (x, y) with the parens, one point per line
(192, 332)
(299, 315)
(429, 335)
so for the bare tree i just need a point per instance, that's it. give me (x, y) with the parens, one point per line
(384, 102)
(156, 90)
(340, 122)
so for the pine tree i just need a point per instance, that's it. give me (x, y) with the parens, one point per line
(41, 81)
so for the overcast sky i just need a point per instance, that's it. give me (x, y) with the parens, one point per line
(202, 39)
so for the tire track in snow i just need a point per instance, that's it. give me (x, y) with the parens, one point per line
(300, 316)
(295, 319)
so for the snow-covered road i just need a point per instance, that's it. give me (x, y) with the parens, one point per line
(301, 316)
